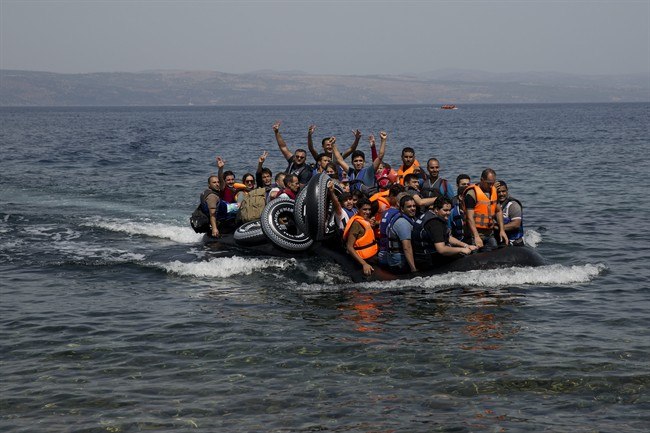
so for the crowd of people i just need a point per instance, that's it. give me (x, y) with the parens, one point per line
(405, 219)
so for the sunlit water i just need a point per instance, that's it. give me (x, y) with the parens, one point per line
(116, 318)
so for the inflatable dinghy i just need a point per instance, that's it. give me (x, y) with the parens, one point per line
(307, 228)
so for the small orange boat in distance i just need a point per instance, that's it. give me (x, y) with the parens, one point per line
(448, 107)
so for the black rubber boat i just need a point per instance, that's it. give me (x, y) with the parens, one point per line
(305, 228)
(505, 257)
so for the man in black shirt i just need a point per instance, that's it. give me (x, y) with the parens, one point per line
(431, 236)
(297, 161)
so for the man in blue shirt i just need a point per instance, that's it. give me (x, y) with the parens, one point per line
(399, 255)
(361, 178)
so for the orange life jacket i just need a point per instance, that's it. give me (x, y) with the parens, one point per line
(382, 197)
(382, 200)
(485, 209)
(366, 245)
(401, 173)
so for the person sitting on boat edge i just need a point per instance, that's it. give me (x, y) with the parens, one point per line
(229, 188)
(216, 209)
(397, 254)
(297, 161)
(432, 239)
(513, 214)
(361, 178)
(456, 220)
(481, 210)
(291, 187)
(434, 185)
(360, 239)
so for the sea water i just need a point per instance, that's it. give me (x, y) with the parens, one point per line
(114, 317)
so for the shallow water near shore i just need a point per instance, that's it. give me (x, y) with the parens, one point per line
(115, 317)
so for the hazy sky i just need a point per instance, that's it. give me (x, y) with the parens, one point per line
(334, 37)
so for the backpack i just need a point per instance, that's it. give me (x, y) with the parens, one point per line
(252, 206)
(199, 220)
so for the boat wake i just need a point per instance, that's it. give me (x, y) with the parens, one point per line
(225, 267)
(178, 234)
(321, 278)
(550, 275)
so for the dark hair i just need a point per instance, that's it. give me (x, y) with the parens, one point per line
(408, 149)
(441, 200)
(461, 177)
(395, 189)
(345, 196)
(333, 167)
(277, 176)
(300, 150)
(321, 156)
(358, 194)
(211, 176)
(289, 178)
(503, 183)
(325, 140)
(410, 177)
(363, 202)
(387, 166)
(228, 173)
(488, 171)
(243, 179)
(267, 170)
(357, 153)
(433, 159)
(404, 199)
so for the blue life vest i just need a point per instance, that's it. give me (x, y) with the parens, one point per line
(357, 181)
(456, 222)
(438, 188)
(221, 214)
(394, 243)
(350, 212)
(386, 221)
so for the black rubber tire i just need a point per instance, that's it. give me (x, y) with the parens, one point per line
(332, 227)
(250, 233)
(284, 236)
(316, 206)
(299, 211)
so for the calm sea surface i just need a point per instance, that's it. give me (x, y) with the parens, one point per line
(115, 318)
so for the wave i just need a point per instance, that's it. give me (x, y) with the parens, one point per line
(551, 275)
(331, 280)
(179, 234)
(532, 238)
(225, 267)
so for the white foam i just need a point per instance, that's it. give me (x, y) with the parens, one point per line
(556, 275)
(224, 267)
(532, 238)
(179, 234)
(85, 251)
(52, 232)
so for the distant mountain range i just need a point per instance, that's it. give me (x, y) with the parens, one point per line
(171, 87)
